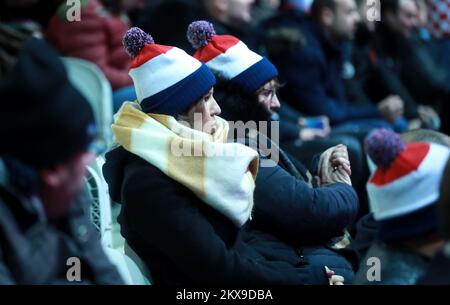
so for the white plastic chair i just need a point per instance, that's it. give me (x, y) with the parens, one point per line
(92, 83)
(101, 206)
(128, 268)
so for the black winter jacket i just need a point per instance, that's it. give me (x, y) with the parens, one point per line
(184, 241)
(307, 218)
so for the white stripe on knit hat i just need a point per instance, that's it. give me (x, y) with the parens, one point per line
(412, 192)
(162, 71)
(234, 61)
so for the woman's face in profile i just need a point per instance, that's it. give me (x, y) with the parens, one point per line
(267, 96)
(202, 116)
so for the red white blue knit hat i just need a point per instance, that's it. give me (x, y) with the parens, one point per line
(166, 79)
(229, 58)
(405, 186)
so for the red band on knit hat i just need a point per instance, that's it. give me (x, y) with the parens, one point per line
(147, 53)
(406, 162)
(218, 45)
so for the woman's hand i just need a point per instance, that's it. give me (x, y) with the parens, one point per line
(334, 166)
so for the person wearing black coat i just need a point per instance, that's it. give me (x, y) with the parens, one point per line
(404, 64)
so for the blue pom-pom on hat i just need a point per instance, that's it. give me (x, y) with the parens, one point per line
(134, 40)
(200, 33)
(383, 146)
(229, 58)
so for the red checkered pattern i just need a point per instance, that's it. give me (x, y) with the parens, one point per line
(439, 18)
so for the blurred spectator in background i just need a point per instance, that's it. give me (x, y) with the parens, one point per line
(264, 9)
(308, 54)
(402, 64)
(267, 9)
(30, 14)
(438, 22)
(231, 17)
(132, 7)
(168, 20)
(438, 272)
(47, 127)
(384, 80)
(355, 68)
(97, 37)
(423, 31)
(298, 5)
(360, 58)
(439, 28)
(403, 193)
(439, 18)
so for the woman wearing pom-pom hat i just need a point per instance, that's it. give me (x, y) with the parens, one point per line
(403, 193)
(285, 202)
(186, 194)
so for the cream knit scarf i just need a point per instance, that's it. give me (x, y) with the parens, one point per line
(219, 173)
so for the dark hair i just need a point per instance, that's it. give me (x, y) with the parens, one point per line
(237, 104)
(318, 5)
(444, 202)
